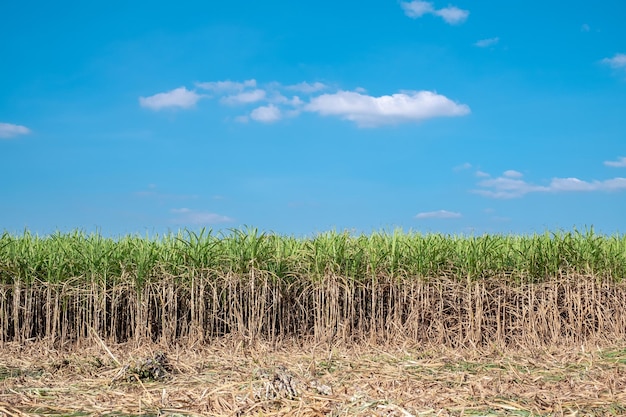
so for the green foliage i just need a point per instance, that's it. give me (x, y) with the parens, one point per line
(59, 258)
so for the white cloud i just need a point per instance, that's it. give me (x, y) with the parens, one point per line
(8, 130)
(273, 104)
(482, 174)
(307, 88)
(574, 184)
(620, 163)
(196, 217)
(614, 184)
(451, 14)
(618, 61)
(513, 187)
(417, 8)
(179, 97)
(369, 111)
(512, 174)
(503, 187)
(439, 214)
(227, 86)
(296, 102)
(245, 97)
(266, 114)
(570, 184)
(485, 43)
(585, 27)
(278, 98)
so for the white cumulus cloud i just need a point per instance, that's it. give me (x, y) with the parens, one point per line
(307, 88)
(618, 61)
(451, 14)
(512, 186)
(503, 187)
(485, 43)
(266, 114)
(8, 130)
(620, 163)
(439, 214)
(415, 9)
(245, 97)
(198, 217)
(271, 102)
(511, 173)
(179, 97)
(574, 184)
(369, 111)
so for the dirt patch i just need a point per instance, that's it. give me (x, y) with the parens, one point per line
(228, 379)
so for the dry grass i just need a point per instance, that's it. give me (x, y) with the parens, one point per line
(232, 379)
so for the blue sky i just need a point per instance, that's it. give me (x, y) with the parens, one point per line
(302, 117)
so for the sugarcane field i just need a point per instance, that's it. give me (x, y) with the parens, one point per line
(252, 323)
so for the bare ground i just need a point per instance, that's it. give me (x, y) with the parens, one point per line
(231, 379)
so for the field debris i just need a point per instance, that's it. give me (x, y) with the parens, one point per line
(306, 380)
(154, 368)
(321, 389)
(279, 383)
(282, 383)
